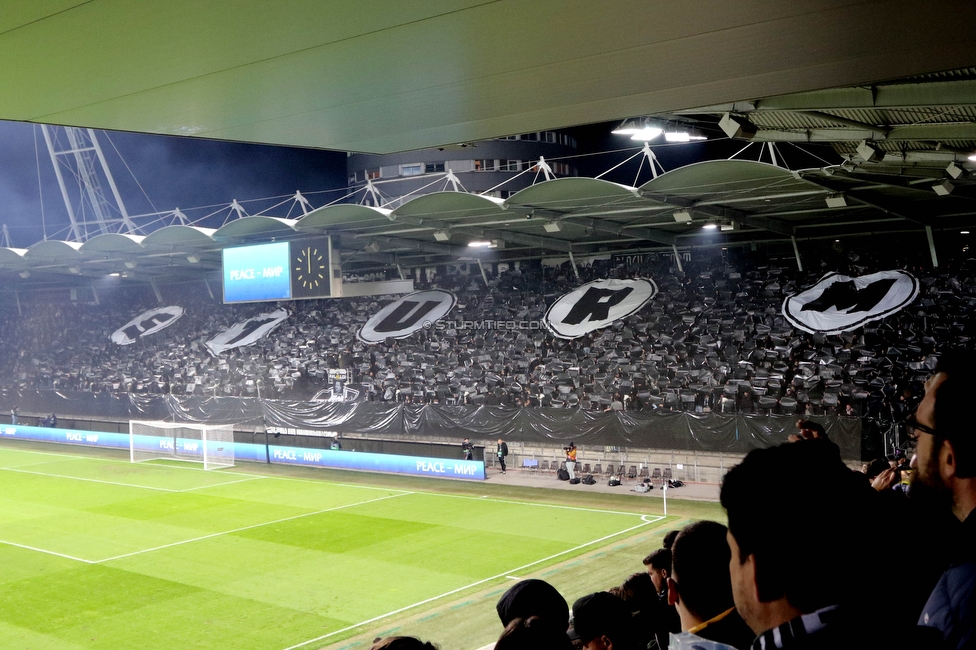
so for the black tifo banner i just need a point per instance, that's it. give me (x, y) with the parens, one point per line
(633, 429)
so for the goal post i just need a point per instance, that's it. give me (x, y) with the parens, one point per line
(212, 445)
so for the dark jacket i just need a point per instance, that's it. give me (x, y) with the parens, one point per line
(950, 607)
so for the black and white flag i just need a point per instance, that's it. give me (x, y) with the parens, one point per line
(146, 323)
(411, 313)
(839, 303)
(246, 332)
(596, 305)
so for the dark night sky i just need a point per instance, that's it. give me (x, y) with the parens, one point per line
(174, 172)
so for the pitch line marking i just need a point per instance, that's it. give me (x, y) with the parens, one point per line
(503, 574)
(41, 550)
(204, 487)
(90, 480)
(43, 462)
(81, 456)
(237, 530)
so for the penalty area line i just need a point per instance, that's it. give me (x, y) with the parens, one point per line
(41, 550)
(504, 574)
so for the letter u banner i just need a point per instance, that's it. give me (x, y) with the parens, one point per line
(596, 305)
(411, 313)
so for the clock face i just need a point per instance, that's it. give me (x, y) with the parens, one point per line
(310, 270)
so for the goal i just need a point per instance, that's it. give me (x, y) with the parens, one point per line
(212, 445)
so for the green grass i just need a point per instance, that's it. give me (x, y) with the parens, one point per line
(96, 552)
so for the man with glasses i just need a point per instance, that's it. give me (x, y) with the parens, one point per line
(942, 427)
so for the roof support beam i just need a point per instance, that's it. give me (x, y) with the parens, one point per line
(884, 204)
(623, 230)
(526, 240)
(506, 235)
(820, 115)
(772, 225)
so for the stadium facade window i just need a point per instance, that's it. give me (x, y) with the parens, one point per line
(531, 137)
(509, 165)
(433, 167)
(412, 169)
(352, 177)
(485, 165)
(372, 174)
(563, 169)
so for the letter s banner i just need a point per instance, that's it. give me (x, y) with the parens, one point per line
(411, 313)
(596, 305)
(838, 303)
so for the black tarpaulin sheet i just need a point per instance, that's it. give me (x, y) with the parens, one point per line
(639, 429)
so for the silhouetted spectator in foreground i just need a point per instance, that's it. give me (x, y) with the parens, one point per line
(402, 643)
(533, 598)
(664, 617)
(946, 472)
(799, 520)
(533, 633)
(602, 621)
(701, 590)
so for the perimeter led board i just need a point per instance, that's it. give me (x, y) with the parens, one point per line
(277, 271)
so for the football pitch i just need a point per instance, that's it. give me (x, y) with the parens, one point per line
(96, 552)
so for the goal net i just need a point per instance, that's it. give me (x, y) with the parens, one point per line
(212, 445)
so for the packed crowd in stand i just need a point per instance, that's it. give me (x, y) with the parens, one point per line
(815, 555)
(712, 340)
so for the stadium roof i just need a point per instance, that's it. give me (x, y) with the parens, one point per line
(391, 75)
(867, 78)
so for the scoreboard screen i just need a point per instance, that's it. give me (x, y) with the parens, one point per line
(277, 271)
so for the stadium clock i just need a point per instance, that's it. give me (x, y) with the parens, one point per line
(310, 269)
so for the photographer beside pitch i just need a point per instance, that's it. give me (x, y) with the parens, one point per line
(571, 460)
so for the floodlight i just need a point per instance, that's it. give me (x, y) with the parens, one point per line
(193, 259)
(836, 201)
(442, 235)
(954, 170)
(553, 226)
(638, 129)
(869, 152)
(682, 216)
(737, 127)
(680, 135)
(709, 226)
(24, 274)
(481, 244)
(944, 188)
(130, 265)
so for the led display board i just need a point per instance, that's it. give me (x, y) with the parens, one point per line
(277, 271)
(473, 470)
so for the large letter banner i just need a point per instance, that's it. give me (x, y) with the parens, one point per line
(838, 303)
(246, 332)
(596, 305)
(146, 323)
(411, 313)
